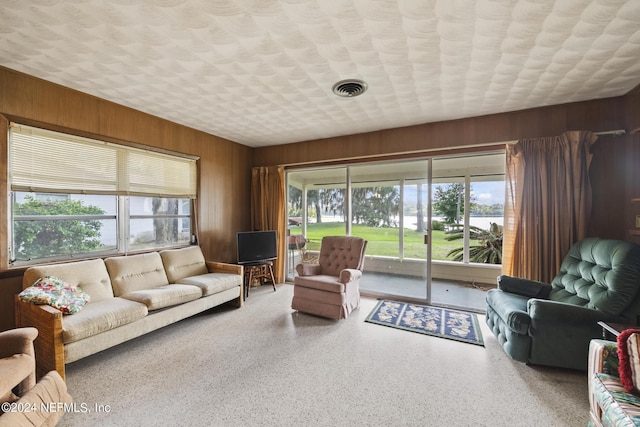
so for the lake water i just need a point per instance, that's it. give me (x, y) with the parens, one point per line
(477, 221)
(411, 221)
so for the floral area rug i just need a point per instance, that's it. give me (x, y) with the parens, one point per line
(440, 322)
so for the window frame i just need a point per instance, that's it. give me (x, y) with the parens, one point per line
(122, 216)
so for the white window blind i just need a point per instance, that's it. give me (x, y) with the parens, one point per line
(48, 161)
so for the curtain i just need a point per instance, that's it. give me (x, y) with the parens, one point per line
(548, 202)
(268, 205)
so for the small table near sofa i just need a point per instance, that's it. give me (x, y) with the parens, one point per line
(610, 331)
(260, 271)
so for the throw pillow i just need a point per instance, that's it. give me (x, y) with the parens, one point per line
(57, 293)
(629, 359)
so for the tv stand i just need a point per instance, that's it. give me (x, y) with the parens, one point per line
(261, 271)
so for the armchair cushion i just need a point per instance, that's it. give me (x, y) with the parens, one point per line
(321, 282)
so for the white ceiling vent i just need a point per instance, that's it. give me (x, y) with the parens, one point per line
(350, 88)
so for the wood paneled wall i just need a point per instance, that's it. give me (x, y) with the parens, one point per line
(597, 115)
(632, 165)
(614, 171)
(224, 166)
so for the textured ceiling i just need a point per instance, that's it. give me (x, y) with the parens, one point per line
(260, 72)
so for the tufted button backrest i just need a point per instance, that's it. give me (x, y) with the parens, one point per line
(340, 252)
(601, 274)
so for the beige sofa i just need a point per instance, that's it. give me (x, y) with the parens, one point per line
(130, 296)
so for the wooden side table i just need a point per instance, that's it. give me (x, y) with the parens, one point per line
(610, 331)
(262, 271)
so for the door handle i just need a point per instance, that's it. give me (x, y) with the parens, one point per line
(426, 239)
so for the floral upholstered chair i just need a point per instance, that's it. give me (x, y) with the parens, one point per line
(613, 381)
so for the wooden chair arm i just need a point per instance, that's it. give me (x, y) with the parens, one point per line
(49, 346)
(223, 267)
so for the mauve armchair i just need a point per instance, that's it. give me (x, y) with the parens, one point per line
(25, 401)
(331, 288)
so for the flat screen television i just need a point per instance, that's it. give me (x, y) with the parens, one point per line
(257, 246)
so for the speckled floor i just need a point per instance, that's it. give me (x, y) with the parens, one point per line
(267, 365)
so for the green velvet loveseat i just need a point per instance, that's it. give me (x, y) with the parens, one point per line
(552, 324)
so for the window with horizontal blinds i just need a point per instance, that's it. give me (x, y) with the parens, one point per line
(75, 197)
(48, 161)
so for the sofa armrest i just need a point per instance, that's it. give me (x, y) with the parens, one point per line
(49, 346)
(223, 267)
(603, 357)
(524, 287)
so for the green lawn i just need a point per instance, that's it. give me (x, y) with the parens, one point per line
(382, 241)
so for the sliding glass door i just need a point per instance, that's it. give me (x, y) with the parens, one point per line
(317, 207)
(385, 203)
(390, 210)
(433, 226)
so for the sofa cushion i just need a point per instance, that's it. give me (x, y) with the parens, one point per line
(136, 272)
(101, 316)
(212, 283)
(184, 262)
(164, 296)
(91, 276)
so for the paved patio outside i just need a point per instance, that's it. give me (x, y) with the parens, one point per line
(443, 292)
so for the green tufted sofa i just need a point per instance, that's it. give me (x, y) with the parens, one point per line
(552, 324)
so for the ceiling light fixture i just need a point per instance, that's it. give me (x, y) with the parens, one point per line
(350, 88)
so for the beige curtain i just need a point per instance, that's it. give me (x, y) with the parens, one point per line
(268, 205)
(548, 202)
